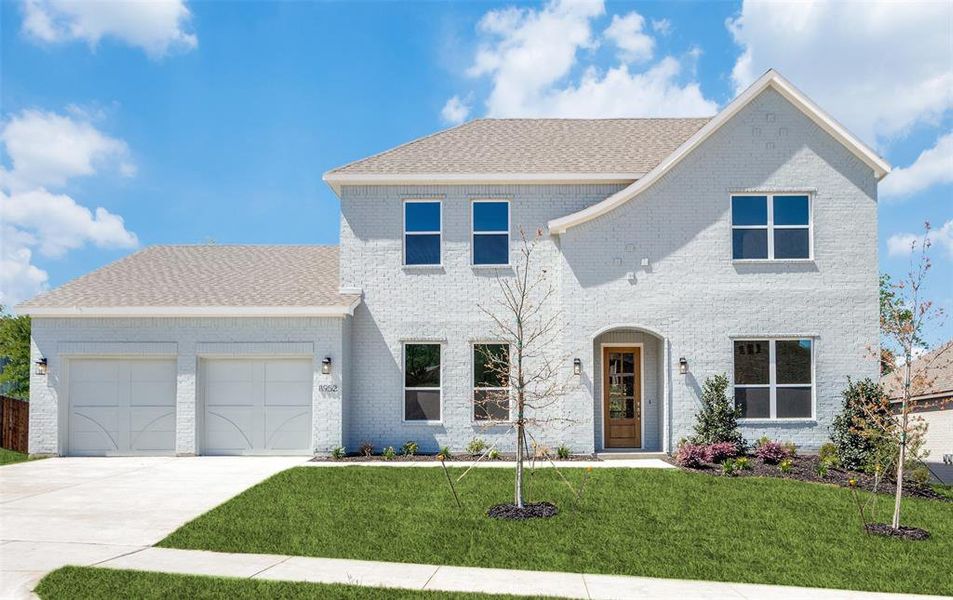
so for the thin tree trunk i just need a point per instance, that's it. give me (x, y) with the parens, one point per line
(903, 442)
(518, 498)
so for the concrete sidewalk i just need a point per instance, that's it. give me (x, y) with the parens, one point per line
(461, 579)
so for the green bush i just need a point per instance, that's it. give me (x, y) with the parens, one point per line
(919, 474)
(445, 453)
(743, 463)
(494, 454)
(563, 452)
(851, 430)
(389, 453)
(828, 453)
(729, 467)
(410, 448)
(790, 448)
(717, 421)
(786, 465)
(338, 452)
(476, 446)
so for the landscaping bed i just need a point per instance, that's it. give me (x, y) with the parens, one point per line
(807, 468)
(459, 458)
(643, 522)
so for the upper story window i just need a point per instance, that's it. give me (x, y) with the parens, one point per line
(774, 379)
(422, 232)
(771, 227)
(422, 382)
(491, 391)
(491, 232)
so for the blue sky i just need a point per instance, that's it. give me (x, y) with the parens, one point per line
(196, 121)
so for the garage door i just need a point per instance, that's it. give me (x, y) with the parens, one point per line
(260, 406)
(121, 407)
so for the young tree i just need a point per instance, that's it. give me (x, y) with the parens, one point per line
(14, 354)
(717, 421)
(905, 316)
(532, 375)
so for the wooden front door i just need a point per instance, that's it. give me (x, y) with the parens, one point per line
(622, 396)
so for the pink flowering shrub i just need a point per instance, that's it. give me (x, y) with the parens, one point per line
(770, 451)
(690, 455)
(719, 451)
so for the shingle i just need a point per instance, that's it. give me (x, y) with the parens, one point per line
(209, 275)
(535, 146)
(932, 374)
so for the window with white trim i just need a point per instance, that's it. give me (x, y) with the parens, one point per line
(422, 226)
(421, 382)
(774, 379)
(491, 232)
(771, 227)
(491, 392)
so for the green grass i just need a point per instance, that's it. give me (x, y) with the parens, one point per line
(630, 522)
(8, 457)
(946, 490)
(89, 583)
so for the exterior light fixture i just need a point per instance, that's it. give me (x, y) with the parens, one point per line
(41, 366)
(326, 365)
(576, 366)
(683, 365)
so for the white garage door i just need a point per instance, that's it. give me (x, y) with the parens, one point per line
(257, 406)
(121, 406)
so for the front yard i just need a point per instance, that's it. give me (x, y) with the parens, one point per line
(629, 522)
(8, 457)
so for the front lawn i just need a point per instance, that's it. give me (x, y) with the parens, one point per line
(90, 583)
(8, 457)
(655, 523)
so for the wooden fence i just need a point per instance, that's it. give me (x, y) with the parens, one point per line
(14, 423)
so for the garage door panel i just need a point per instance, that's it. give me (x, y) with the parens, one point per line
(151, 393)
(95, 370)
(288, 393)
(229, 430)
(95, 418)
(287, 428)
(94, 393)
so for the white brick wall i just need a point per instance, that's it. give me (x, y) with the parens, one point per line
(692, 295)
(187, 339)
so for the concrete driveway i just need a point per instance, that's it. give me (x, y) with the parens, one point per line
(83, 511)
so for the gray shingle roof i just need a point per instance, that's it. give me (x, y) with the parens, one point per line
(209, 275)
(535, 146)
(932, 374)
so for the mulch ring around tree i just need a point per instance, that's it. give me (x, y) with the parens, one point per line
(360, 458)
(537, 510)
(805, 468)
(907, 533)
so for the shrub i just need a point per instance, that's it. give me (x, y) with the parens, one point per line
(790, 448)
(476, 446)
(770, 451)
(717, 421)
(389, 453)
(823, 467)
(494, 454)
(338, 452)
(719, 451)
(367, 449)
(729, 467)
(919, 474)
(786, 465)
(690, 455)
(563, 452)
(409, 448)
(850, 429)
(445, 453)
(828, 453)
(743, 463)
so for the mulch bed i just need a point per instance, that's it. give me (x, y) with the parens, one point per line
(907, 533)
(804, 468)
(360, 458)
(537, 510)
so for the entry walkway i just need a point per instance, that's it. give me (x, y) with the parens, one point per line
(460, 579)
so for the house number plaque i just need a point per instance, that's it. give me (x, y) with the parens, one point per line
(331, 388)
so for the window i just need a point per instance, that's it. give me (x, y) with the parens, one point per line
(491, 232)
(774, 378)
(771, 227)
(491, 393)
(421, 382)
(422, 232)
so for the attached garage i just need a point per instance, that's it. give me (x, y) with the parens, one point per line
(257, 405)
(121, 406)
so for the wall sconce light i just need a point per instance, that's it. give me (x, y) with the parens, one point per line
(326, 365)
(42, 366)
(682, 365)
(576, 366)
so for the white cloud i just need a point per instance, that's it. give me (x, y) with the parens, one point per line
(156, 26)
(902, 244)
(531, 57)
(933, 166)
(47, 149)
(879, 67)
(628, 35)
(662, 26)
(455, 111)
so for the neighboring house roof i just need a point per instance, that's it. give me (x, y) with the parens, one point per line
(526, 150)
(932, 374)
(770, 79)
(206, 280)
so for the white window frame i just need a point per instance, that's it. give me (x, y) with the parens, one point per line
(770, 227)
(474, 388)
(474, 232)
(439, 233)
(773, 384)
(404, 388)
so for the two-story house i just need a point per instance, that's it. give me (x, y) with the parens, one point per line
(743, 244)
